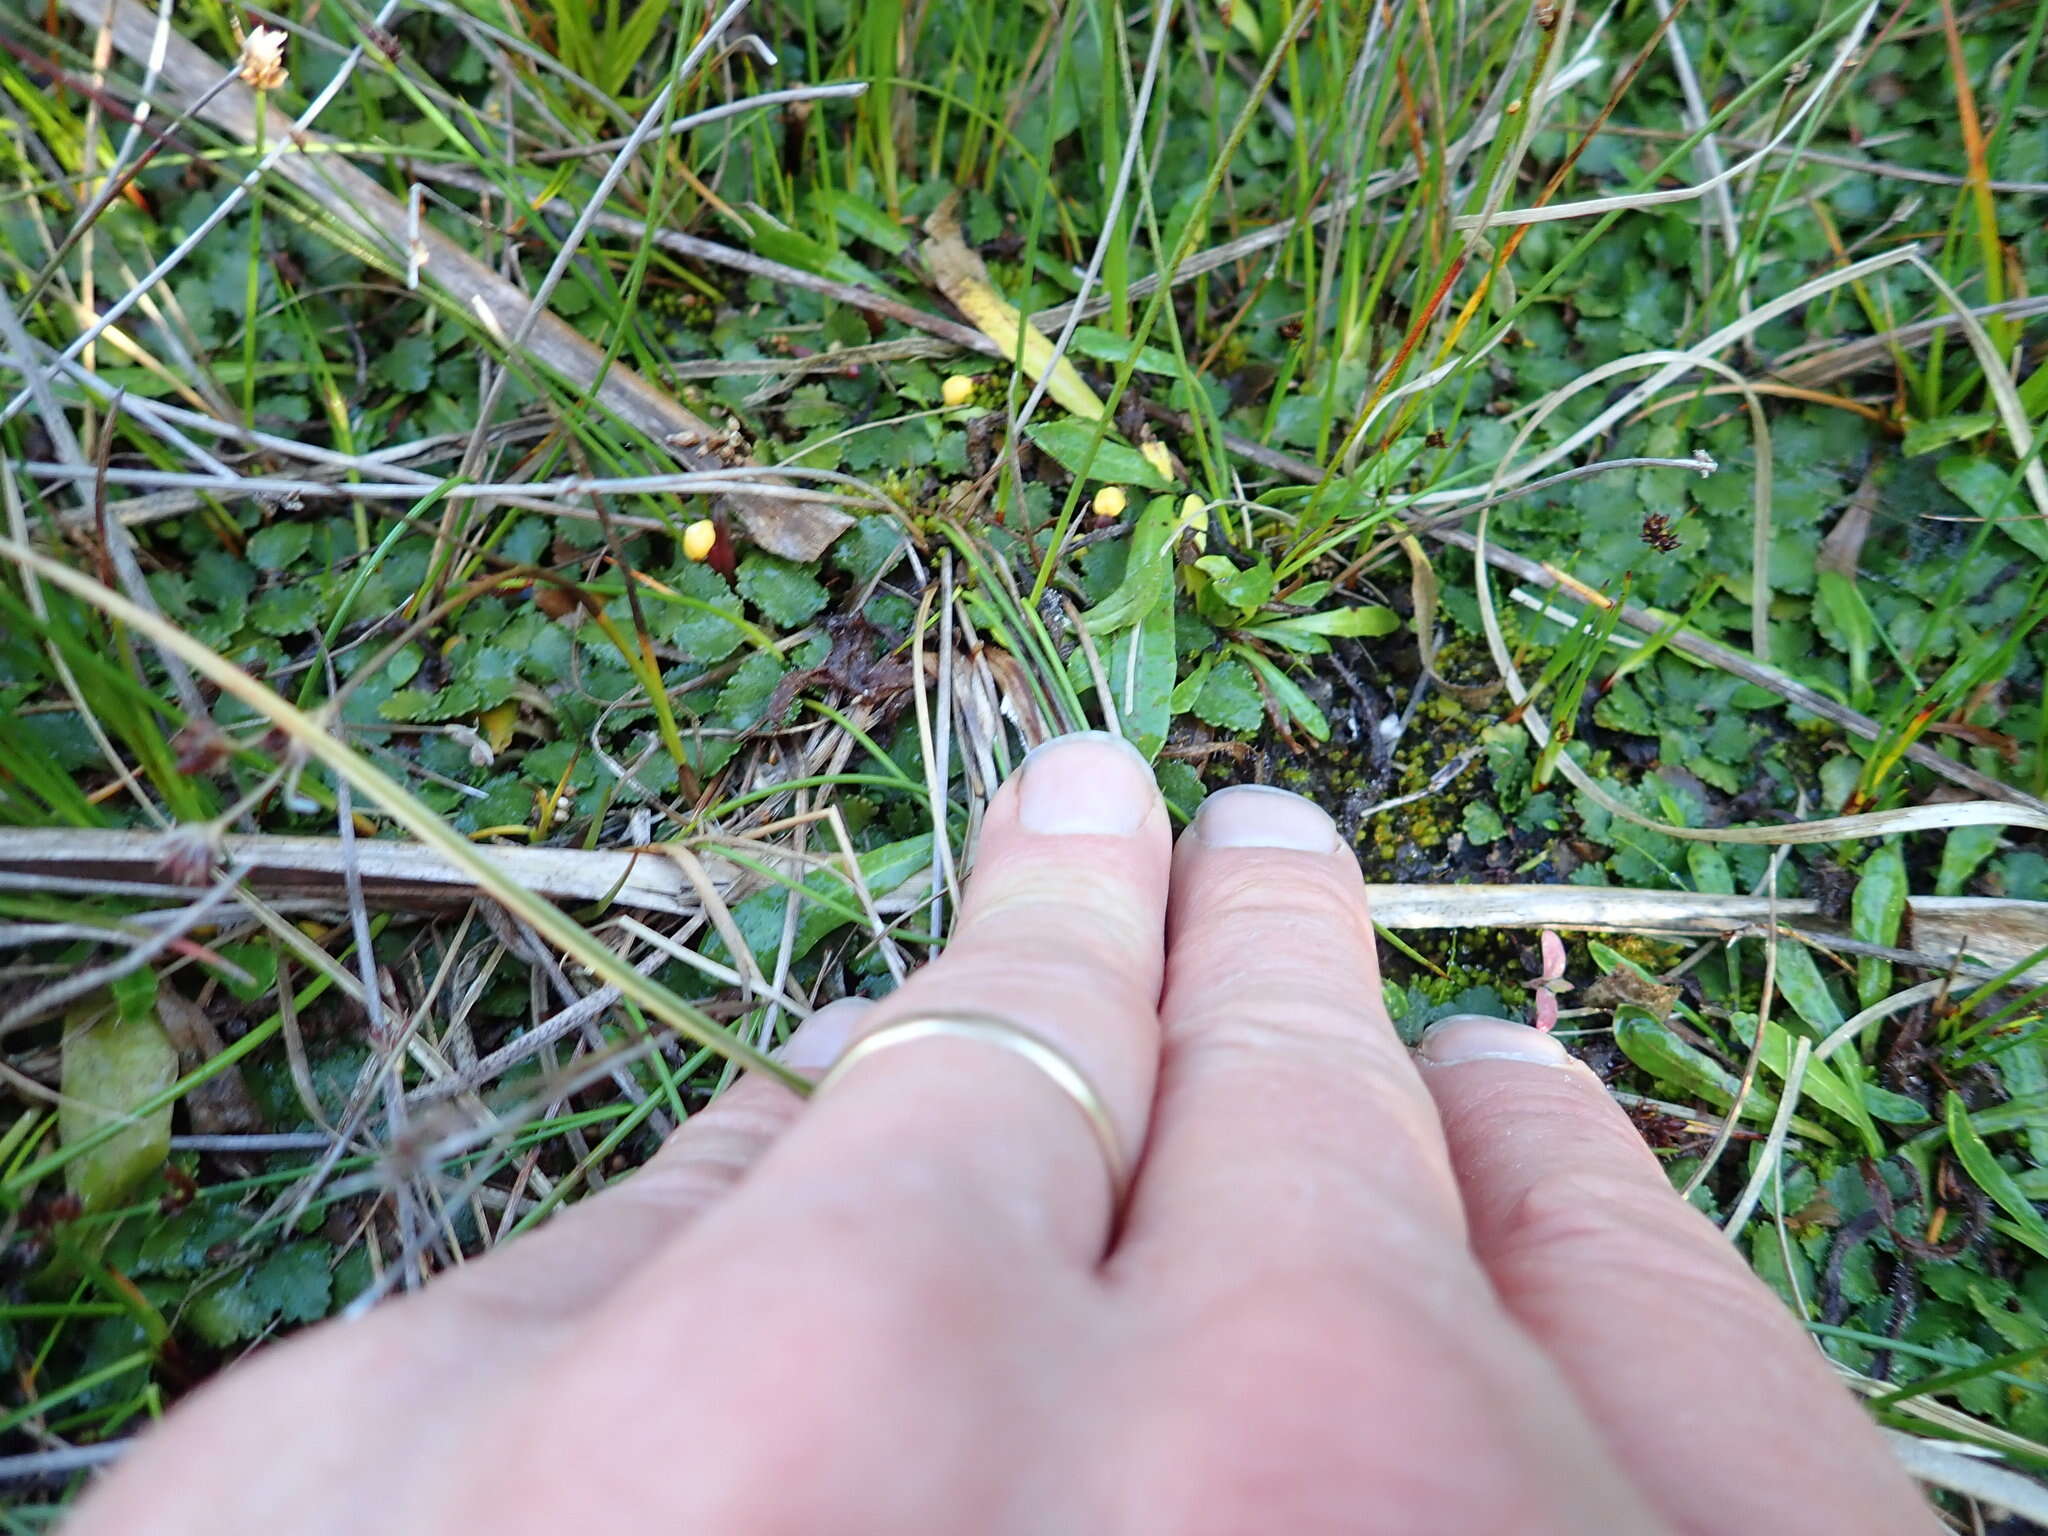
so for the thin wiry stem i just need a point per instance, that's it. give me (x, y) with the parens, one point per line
(1162, 21)
(1551, 212)
(572, 242)
(841, 91)
(215, 216)
(753, 479)
(42, 1004)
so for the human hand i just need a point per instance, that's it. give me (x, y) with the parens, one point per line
(1350, 1290)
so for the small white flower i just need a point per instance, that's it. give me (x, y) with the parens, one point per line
(263, 59)
(480, 753)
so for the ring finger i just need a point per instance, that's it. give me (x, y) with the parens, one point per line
(1060, 940)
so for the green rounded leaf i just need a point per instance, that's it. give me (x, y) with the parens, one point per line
(114, 1060)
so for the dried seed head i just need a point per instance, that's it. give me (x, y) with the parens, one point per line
(188, 853)
(699, 538)
(202, 748)
(1657, 532)
(263, 59)
(956, 391)
(1109, 503)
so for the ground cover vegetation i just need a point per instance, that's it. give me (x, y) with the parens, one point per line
(533, 528)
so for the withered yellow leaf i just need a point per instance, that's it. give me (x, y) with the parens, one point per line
(964, 280)
(497, 724)
(1160, 457)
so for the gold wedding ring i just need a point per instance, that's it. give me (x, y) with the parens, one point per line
(1064, 1075)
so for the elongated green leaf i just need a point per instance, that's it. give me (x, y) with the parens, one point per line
(793, 248)
(1611, 959)
(1708, 866)
(1893, 1108)
(1876, 911)
(1289, 636)
(859, 217)
(2015, 1114)
(1141, 668)
(1307, 632)
(1990, 1176)
(1800, 984)
(1300, 708)
(1821, 1083)
(1366, 621)
(1148, 571)
(1189, 688)
(1852, 616)
(1940, 431)
(1067, 442)
(1091, 341)
(1647, 1043)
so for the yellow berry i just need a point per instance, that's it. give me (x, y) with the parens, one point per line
(1109, 502)
(956, 391)
(699, 537)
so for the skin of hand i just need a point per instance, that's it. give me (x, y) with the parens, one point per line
(1353, 1289)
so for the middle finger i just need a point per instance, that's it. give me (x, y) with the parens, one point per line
(1291, 1132)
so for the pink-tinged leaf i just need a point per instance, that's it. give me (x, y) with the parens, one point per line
(1549, 982)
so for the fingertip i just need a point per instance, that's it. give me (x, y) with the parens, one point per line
(1078, 832)
(1086, 784)
(1469, 1037)
(821, 1039)
(1261, 816)
(1269, 861)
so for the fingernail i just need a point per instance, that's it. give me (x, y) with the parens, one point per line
(1258, 816)
(1090, 783)
(1474, 1037)
(821, 1039)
